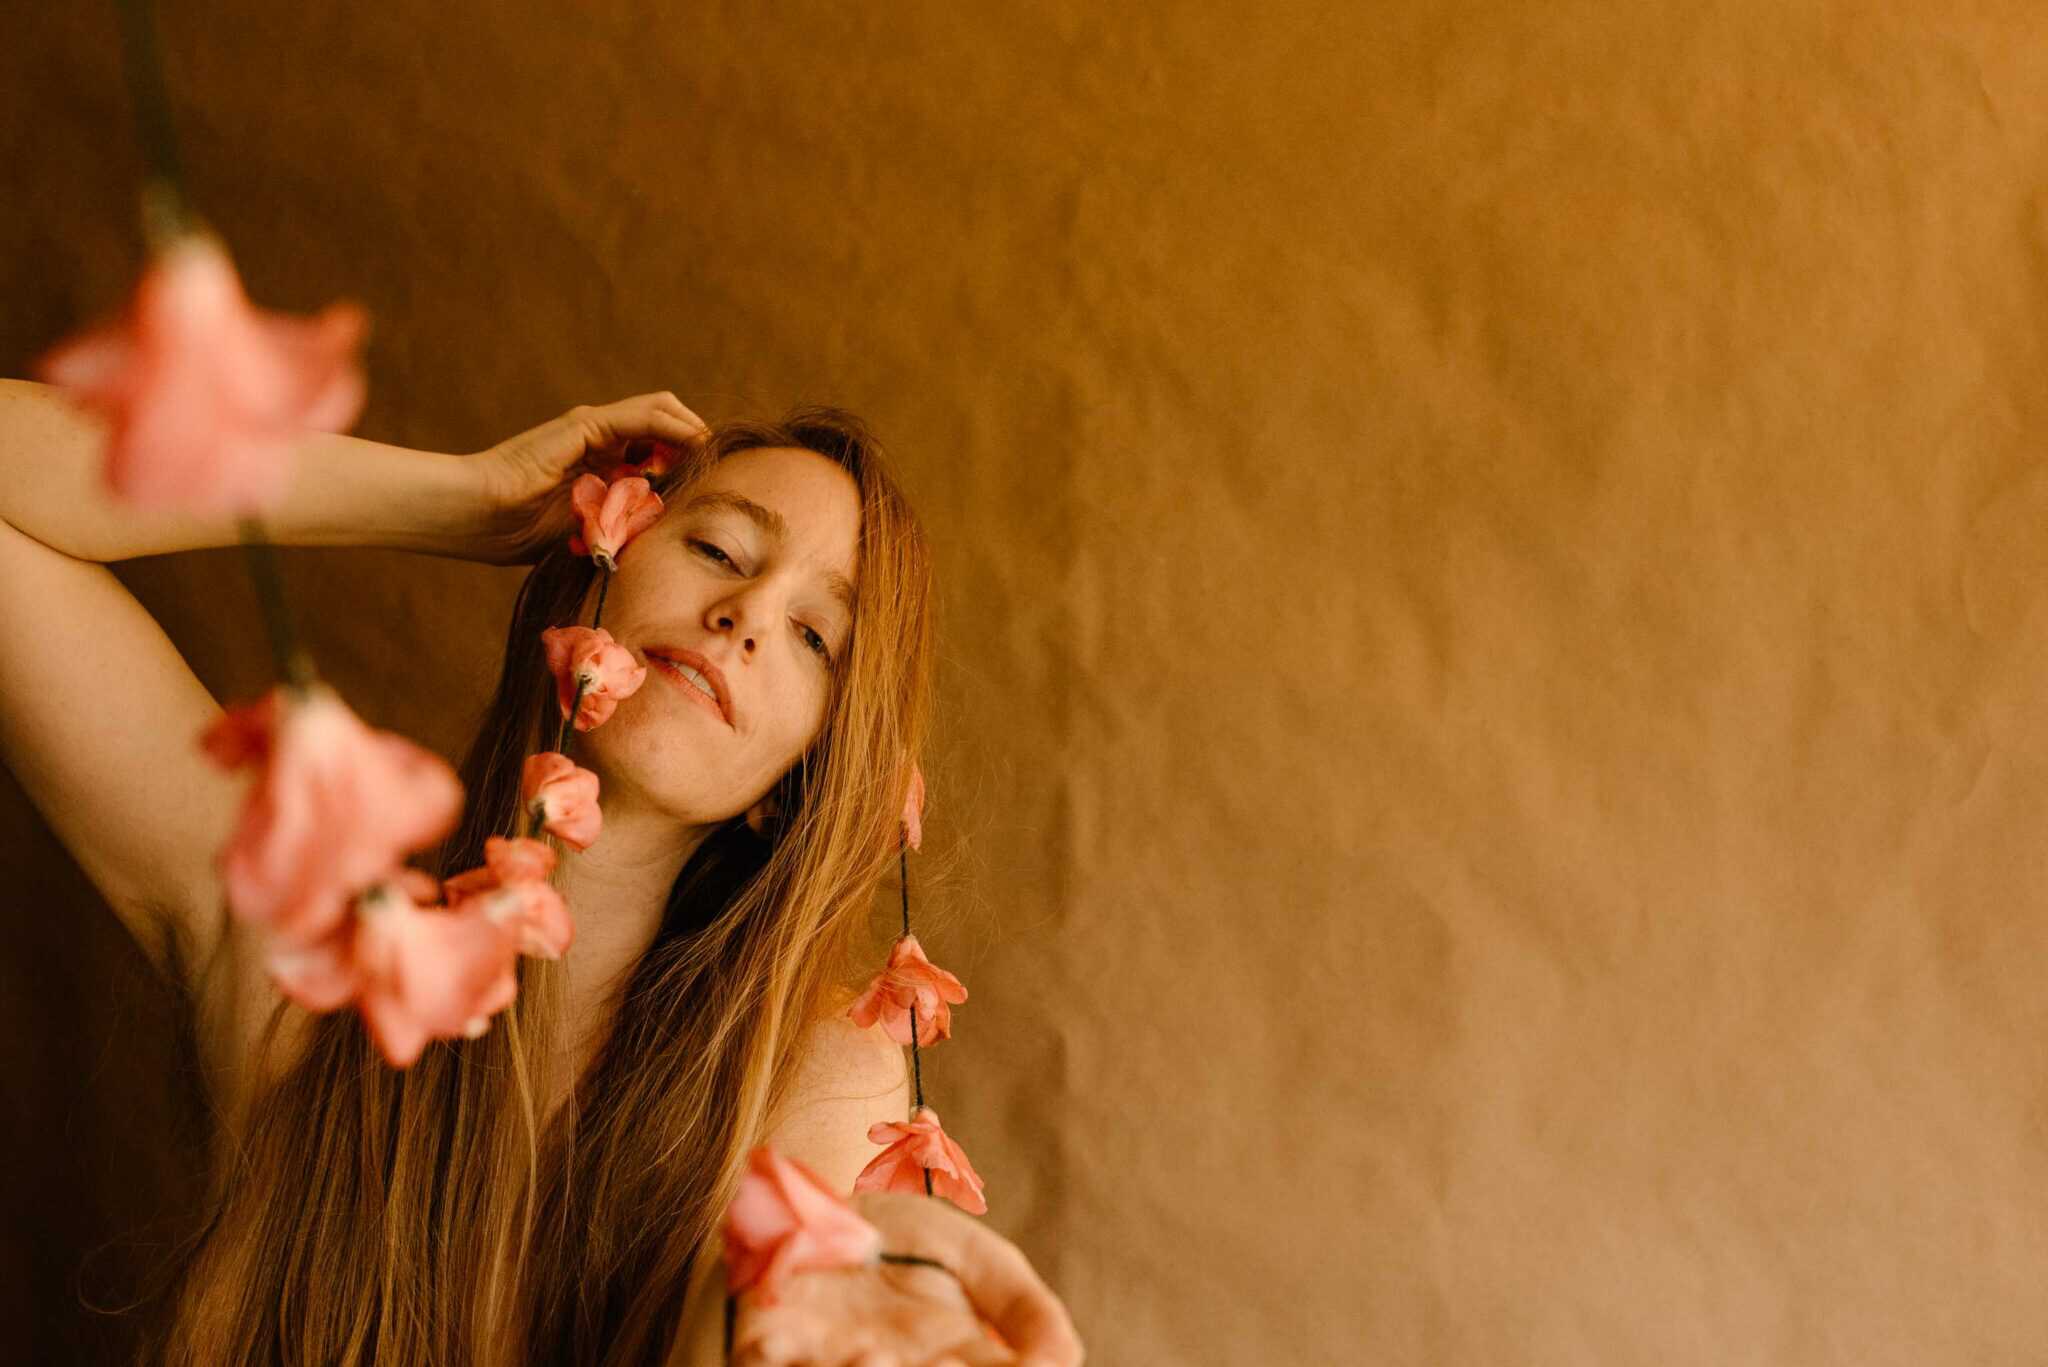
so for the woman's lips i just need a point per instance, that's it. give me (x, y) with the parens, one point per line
(695, 694)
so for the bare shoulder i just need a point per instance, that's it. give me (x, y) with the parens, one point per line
(848, 1079)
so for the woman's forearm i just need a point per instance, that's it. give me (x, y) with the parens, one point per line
(342, 491)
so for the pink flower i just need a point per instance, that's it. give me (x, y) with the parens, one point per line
(785, 1220)
(319, 975)
(915, 1147)
(428, 973)
(566, 794)
(909, 980)
(648, 457)
(590, 657)
(417, 884)
(611, 515)
(913, 809)
(335, 805)
(515, 893)
(204, 392)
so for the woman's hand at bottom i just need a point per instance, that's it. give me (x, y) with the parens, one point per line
(990, 1309)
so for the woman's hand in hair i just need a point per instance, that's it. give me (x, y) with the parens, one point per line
(910, 1314)
(524, 481)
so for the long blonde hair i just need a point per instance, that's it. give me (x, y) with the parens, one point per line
(366, 1212)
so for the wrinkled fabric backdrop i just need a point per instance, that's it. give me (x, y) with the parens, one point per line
(1488, 790)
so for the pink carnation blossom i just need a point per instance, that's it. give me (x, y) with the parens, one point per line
(417, 884)
(910, 980)
(515, 893)
(785, 1220)
(610, 515)
(913, 809)
(566, 794)
(319, 975)
(334, 806)
(914, 1147)
(428, 973)
(204, 392)
(606, 671)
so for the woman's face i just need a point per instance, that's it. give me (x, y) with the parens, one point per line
(748, 575)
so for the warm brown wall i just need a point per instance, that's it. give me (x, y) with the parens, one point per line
(1493, 584)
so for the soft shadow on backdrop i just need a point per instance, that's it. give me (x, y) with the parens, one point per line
(1493, 565)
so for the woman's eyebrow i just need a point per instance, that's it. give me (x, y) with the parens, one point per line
(767, 519)
(771, 522)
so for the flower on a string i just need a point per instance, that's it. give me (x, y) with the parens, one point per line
(610, 515)
(320, 974)
(913, 809)
(334, 806)
(915, 1147)
(515, 892)
(415, 973)
(589, 658)
(566, 794)
(417, 884)
(910, 980)
(203, 392)
(428, 973)
(648, 457)
(785, 1220)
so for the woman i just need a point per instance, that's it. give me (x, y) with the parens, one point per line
(551, 1191)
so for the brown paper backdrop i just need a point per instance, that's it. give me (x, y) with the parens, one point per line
(1493, 601)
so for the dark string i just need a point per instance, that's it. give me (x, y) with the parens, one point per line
(916, 1067)
(562, 727)
(165, 213)
(914, 1260)
(293, 667)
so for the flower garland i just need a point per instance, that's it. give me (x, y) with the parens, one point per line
(204, 394)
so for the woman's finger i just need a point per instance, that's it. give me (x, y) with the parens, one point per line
(601, 427)
(998, 1279)
(669, 403)
(1009, 1293)
(645, 409)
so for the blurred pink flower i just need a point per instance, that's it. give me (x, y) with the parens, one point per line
(334, 806)
(914, 1147)
(610, 515)
(566, 794)
(515, 893)
(427, 973)
(913, 809)
(319, 975)
(417, 884)
(785, 1220)
(204, 392)
(606, 669)
(909, 980)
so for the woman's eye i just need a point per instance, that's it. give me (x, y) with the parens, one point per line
(817, 643)
(707, 546)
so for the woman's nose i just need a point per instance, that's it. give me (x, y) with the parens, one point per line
(724, 622)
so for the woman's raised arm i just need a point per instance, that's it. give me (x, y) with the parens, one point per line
(100, 716)
(344, 491)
